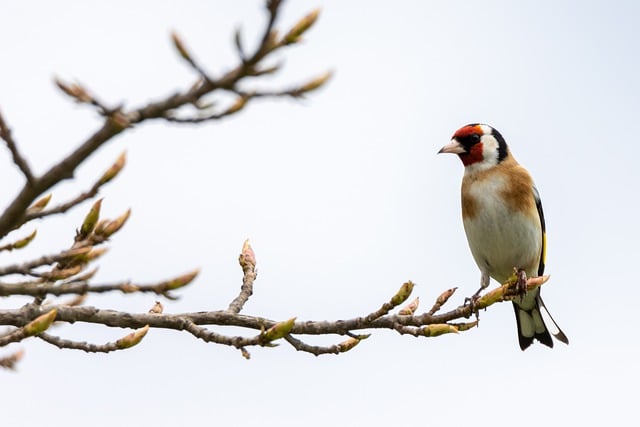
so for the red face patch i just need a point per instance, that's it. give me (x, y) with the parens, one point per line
(473, 156)
(469, 137)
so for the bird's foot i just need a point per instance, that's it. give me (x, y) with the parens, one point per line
(521, 282)
(471, 302)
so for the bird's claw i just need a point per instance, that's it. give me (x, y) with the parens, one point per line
(521, 282)
(471, 302)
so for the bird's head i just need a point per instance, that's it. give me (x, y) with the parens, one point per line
(477, 144)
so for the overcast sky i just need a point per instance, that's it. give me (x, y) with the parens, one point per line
(343, 198)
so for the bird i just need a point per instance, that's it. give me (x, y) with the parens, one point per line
(504, 224)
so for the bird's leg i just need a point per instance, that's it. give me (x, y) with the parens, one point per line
(484, 283)
(521, 282)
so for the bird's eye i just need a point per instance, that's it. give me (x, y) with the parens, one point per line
(474, 137)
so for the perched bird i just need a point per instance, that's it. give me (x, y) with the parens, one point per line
(504, 223)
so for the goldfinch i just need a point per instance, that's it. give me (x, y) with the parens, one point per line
(504, 223)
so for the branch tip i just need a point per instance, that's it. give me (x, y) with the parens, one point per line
(179, 281)
(403, 294)
(132, 339)
(20, 243)
(351, 342)
(180, 47)
(90, 221)
(114, 170)
(247, 257)
(294, 34)
(410, 308)
(39, 205)
(111, 227)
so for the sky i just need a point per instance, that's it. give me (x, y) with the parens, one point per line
(344, 199)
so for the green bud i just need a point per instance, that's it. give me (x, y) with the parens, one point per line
(438, 329)
(24, 241)
(90, 221)
(114, 170)
(40, 323)
(278, 330)
(180, 281)
(301, 27)
(133, 338)
(403, 293)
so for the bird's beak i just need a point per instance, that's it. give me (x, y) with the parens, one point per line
(453, 147)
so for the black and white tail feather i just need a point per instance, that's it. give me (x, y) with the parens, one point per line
(534, 323)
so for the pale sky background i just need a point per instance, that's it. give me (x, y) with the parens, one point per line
(343, 198)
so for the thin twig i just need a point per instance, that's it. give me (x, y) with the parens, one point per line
(13, 336)
(209, 336)
(313, 349)
(64, 207)
(79, 345)
(78, 288)
(26, 268)
(18, 159)
(247, 262)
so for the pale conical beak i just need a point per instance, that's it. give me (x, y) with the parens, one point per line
(453, 147)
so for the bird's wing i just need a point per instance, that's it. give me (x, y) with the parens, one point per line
(543, 254)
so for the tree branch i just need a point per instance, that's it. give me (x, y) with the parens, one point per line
(425, 324)
(15, 214)
(82, 287)
(67, 272)
(247, 261)
(116, 120)
(123, 343)
(18, 159)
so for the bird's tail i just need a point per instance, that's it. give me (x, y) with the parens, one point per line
(531, 325)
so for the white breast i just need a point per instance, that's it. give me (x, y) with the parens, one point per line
(501, 238)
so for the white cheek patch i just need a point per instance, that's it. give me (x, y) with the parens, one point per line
(490, 149)
(490, 153)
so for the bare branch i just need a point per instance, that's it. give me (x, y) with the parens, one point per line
(18, 159)
(20, 243)
(13, 336)
(15, 214)
(81, 95)
(187, 56)
(116, 120)
(442, 300)
(123, 343)
(247, 261)
(212, 337)
(26, 268)
(401, 296)
(420, 325)
(64, 207)
(333, 349)
(36, 326)
(83, 287)
(107, 176)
